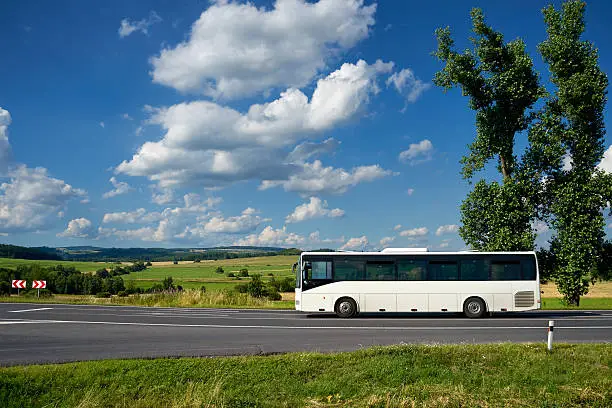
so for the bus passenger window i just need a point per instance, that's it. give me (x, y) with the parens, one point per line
(411, 270)
(510, 270)
(382, 271)
(443, 271)
(474, 270)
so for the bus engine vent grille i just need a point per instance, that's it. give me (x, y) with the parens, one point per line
(524, 299)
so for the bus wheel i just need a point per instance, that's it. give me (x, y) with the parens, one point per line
(346, 307)
(474, 308)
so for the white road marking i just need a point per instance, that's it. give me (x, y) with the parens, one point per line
(30, 310)
(220, 326)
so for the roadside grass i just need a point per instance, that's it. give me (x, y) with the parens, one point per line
(187, 298)
(502, 375)
(586, 303)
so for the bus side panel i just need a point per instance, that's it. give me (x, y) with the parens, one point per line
(412, 302)
(442, 302)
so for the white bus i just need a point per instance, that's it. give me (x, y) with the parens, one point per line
(415, 280)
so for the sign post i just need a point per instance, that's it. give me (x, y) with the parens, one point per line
(18, 284)
(39, 285)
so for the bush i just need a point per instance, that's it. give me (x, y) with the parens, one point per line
(203, 289)
(219, 269)
(244, 272)
(122, 293)
(175, 262)
(102, 295)
(197, 260)
(5, 288)
(287, 284)
(157, 287)
(274, 295)
(241, 288)
(148, 263)
(256, 287)
(167, 283)
(270, 274)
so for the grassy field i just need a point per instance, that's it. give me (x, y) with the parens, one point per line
(507, 375)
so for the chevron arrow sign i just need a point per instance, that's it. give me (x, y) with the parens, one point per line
(39, 284)
(18, 284)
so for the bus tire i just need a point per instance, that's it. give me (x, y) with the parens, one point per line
(346, 307)
(474, 308)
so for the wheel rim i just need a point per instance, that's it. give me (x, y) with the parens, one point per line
(473, 307)
(345, 307)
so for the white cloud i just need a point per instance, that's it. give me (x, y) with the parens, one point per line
(272, 237)
(417, 152)
(127, 27)
(359, 243)
(306, 150)
(410, 191)
(102, 125)
(121, 187)
(79, 228)
(235, 50)
(126, 116)
(314, 238)
(415, 232)
(444, 244)
(32, 199)
(5, 147)
(316, 179)
(447, 229)
(407, 84)
(316, 208)
(397, 227)
(606, 162)
(162, 196)
(211, 145)
(245, 222)
(384, 242)
(132, 217)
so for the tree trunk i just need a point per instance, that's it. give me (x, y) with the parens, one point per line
(504, 167)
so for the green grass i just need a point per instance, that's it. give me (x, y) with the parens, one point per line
(585, 304)
(188, 298)
(507, 375)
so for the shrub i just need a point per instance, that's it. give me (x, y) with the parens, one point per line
(102, 295)
(256, 287)
(148, 263)
(203, 289)
(287, 284)
(244, 272)
(5, 288)
(157, 287)
(274, 295)
(167, 283)
(122, 293)
(231, 275)
(270, 274)
(197, 260)
(219, 269)
(175, 262)
(241, 288)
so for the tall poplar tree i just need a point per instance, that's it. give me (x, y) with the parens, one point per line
(567, 144)
(502, 86)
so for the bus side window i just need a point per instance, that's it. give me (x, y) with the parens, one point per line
(474, 270)
(382, 271)
(508, 270)
(411, 270)
(529, 270)
(443, 270)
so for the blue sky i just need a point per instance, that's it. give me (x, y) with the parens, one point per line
(215, 123)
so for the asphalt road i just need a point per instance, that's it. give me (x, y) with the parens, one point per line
(43, 333)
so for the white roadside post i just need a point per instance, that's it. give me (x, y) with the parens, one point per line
(551, 326)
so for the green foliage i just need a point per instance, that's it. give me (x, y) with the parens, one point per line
(231, 275)
(103, 295)
(571, 126)
(219, 269)
(244, 272)
(502, 87)
(167, 283)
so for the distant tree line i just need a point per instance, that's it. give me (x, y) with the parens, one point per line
(70, 281)
(19, 252)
